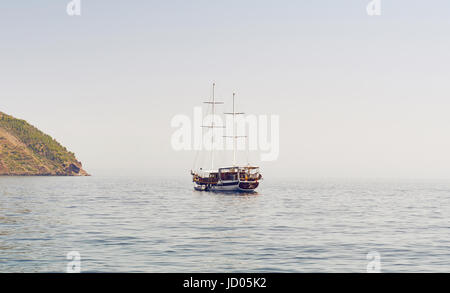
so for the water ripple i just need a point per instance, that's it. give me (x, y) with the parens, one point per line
(162, 225)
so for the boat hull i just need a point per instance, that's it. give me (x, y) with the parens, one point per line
(228, 187)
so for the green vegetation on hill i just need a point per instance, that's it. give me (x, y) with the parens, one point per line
(26, 150)
(35, 139)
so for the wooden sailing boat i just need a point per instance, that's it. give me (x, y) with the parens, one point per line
(227, 178)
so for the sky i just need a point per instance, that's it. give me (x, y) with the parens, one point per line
(357, 96)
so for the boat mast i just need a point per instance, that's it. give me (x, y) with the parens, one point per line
(234, 132)
(212, 126)
(213, 103)
(234, 136)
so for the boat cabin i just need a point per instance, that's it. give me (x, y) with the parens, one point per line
(247, 173)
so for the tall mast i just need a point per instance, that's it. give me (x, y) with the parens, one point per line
(212, 126)
(234, 133)
(234, 136)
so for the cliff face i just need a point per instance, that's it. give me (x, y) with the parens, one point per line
(27, 151)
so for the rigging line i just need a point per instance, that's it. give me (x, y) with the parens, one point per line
(248, 149)
(195, 159)
(200, 151)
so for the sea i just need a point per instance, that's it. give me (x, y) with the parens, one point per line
(147, 224)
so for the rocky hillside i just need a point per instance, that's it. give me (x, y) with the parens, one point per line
(27, 151)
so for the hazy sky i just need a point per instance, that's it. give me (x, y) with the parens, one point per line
(357, 96)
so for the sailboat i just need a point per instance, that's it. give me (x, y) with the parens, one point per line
(233, 177)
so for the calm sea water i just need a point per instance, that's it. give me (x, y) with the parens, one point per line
(162, 225)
